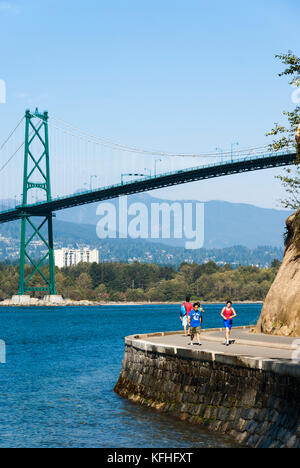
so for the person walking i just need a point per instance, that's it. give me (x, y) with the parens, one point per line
(194, 320)
(228, 313)
(185, 309)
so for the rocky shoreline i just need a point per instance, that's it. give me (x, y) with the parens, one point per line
(35, 302)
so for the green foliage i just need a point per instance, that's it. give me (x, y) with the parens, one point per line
(101, 292)
(136, 295)
(139, 282)
(276, 263)
(285, 135)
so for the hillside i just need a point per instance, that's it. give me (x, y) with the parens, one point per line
(129, 250)
(225, 224)
(233, 233)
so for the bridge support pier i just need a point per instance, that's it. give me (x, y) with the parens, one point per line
(21, 300)
(25, 300)
(54, 299)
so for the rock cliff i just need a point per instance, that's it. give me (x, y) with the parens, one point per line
(281, 310)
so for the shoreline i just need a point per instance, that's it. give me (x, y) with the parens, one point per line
(69, 303)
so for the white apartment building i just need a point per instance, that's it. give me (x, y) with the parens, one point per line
(68, 257)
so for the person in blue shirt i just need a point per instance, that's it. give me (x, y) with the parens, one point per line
(195, 320)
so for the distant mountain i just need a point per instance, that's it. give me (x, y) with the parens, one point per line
(128, 250)
(233, 233)
(124, 250)
(225, 224)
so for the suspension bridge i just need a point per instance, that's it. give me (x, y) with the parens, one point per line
(75, 157)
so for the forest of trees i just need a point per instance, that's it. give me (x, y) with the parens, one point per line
(139, 282)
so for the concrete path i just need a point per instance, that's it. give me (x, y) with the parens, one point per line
(244, 343)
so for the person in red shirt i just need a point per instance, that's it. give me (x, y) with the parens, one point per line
(186, 308)
(228, 313)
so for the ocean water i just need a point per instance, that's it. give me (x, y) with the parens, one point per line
(56, 388)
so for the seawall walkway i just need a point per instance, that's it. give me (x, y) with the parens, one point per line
(243, 343)
(250, 389)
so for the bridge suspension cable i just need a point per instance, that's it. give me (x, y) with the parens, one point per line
(81, 161)
(11, 134)
(17, 150)
(11, 167)
(76, 132)
(11, 157)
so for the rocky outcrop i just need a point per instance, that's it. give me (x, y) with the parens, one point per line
(281, 311)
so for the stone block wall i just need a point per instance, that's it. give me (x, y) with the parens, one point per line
(256, 401)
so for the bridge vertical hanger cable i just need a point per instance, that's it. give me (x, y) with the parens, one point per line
(96, 152)
(121, 147)
(11, 134)
(10, 165)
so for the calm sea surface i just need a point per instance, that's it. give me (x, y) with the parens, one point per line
(56, 389)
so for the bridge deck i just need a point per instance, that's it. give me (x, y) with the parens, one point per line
(152, 183)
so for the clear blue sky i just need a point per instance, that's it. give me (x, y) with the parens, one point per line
(182, 76)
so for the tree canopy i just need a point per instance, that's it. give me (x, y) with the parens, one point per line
(140, 282)
(285, 135)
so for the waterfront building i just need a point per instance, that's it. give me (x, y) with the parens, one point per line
(67, 257)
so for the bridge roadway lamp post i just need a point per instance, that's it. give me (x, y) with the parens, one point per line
(148, 170)
(232, 146)
(221, 152)
(36, 176)
(91, 180)
(155, 166)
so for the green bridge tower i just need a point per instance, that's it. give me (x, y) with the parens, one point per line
(36, 176)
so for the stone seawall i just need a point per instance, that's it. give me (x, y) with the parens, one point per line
(256, 401)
